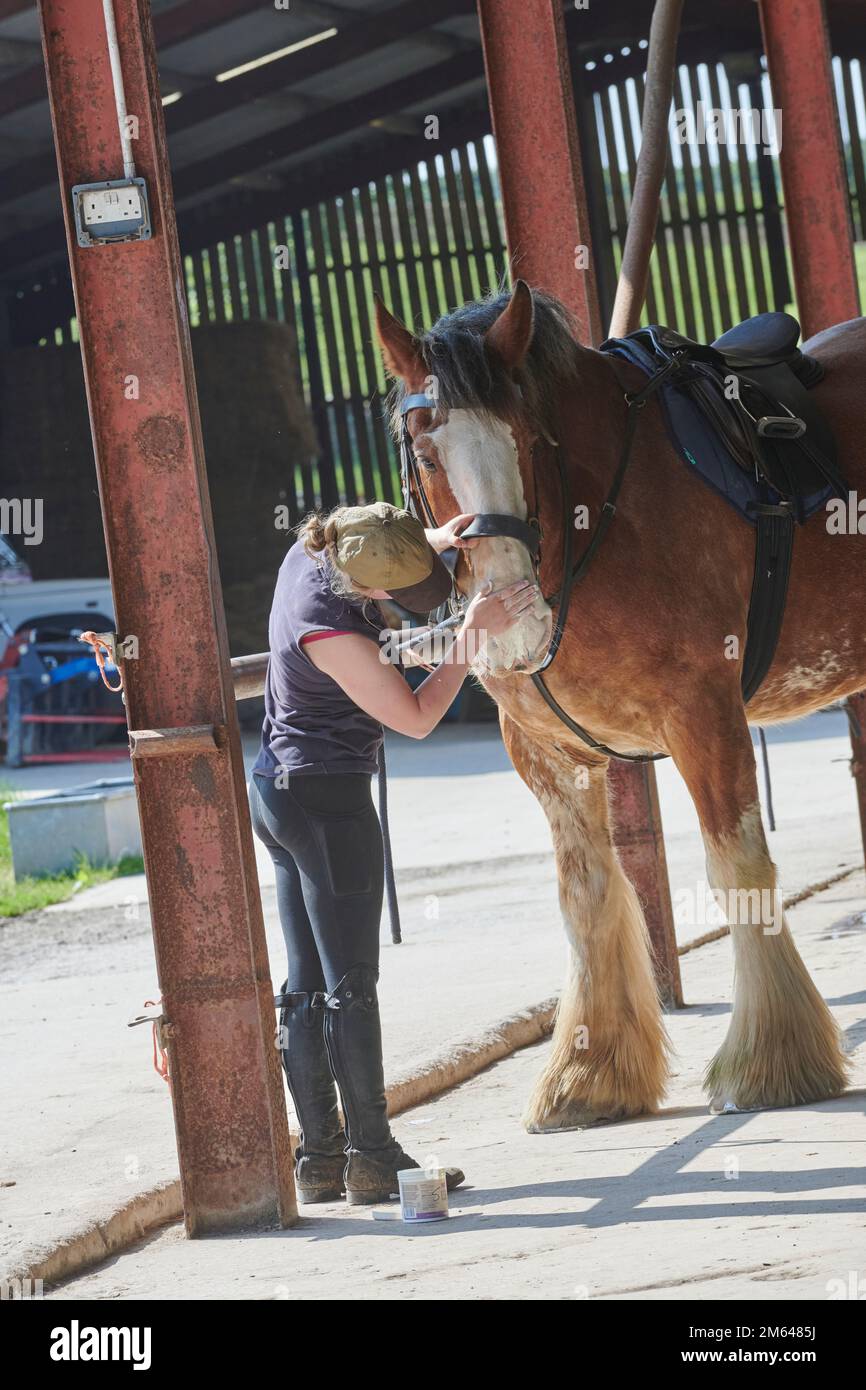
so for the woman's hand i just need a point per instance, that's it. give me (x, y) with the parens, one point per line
(494, 614)
(448, 536)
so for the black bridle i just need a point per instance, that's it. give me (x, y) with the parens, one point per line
(485, 523)
(497, 524)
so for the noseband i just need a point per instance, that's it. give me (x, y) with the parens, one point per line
(528, 533)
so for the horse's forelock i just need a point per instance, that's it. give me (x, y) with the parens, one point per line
(466, 377)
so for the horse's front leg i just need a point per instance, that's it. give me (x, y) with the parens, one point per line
(608, 1058)
(783, 1045)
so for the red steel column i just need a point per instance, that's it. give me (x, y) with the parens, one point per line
(229, 1110)
(857, 708)
(541, 174)
(813, 169)
(817, 208)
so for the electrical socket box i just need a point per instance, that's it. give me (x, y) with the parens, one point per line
(116, 210)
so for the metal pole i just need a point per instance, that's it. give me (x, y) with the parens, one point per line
(813, 169)
(817, 207)
(857, 723)
(644, 211)
(541, 174)
(227, 1093)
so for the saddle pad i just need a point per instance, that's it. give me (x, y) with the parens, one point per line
(700, 448)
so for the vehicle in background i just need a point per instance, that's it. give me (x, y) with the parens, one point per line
(53, 705)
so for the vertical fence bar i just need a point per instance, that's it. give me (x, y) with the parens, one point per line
(385, 461)
(774, 231)
(855, 145)
(696, 228)
(329, 493)
(722, 319)
(350, 386)
(407, 251)
(266, 260)
(497, 255)
(443, 245)
(422, 228)
(596, 197)
(729, 203)
(470, 203)
(332, 354)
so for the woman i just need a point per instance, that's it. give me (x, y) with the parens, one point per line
(328, 693)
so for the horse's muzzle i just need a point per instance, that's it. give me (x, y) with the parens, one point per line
(522, 648)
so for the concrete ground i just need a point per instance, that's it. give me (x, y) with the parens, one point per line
(455, 798)
(679, 1206)
(92, 1120)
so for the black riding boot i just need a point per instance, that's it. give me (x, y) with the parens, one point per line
(353, 1035)
(320, 1158)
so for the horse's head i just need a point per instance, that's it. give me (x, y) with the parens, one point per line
(473, 451)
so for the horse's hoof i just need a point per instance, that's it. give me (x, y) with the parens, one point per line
(572, 1116)
(728, 1107)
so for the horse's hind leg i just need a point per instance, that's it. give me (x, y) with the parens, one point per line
(608, 1057)
(782, 1045)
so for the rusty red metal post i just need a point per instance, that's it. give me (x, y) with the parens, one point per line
(226, 1087)
(857, 719)
(813, 168)
(541, 174)
(817, 207)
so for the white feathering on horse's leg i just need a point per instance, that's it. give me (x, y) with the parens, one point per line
(783, 1045)
(609, 1053)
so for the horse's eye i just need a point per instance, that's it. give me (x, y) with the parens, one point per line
(426, 463)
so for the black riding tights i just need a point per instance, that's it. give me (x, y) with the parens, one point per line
(324, 837)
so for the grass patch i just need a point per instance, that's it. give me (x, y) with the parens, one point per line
(27, 894)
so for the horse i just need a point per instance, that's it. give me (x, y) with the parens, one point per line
(649, 660)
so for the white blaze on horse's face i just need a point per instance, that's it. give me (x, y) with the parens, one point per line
(478, 453)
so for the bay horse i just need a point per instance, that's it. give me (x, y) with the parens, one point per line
(645, 663)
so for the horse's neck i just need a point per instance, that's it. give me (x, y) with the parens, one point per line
(591, 430)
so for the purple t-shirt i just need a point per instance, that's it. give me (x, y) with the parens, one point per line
(310, 724)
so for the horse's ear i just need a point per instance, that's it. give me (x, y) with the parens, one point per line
(509, 337)
(400, 350)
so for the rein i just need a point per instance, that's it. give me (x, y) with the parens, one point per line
(497, 524)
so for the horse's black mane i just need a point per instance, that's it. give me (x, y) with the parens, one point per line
(468, 378)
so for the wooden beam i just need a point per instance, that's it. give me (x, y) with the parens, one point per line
(337, 120)
(210, 98)
(170, 27)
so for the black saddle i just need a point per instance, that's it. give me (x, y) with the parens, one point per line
(753, 385)
(761, 341)
(741, 413)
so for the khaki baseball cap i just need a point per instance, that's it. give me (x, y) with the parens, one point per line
(383, 547)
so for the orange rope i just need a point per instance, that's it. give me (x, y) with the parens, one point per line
(99, 645)
(160, 1056)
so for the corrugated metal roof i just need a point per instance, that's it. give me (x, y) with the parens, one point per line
(285, 112)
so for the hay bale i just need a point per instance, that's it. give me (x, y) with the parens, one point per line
(256, 431)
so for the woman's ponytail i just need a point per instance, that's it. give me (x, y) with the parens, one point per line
(318, 531)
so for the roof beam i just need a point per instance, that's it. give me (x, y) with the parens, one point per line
(211, 98)
(15, 52)
(334, 121)
(170, 27)
(239, 210)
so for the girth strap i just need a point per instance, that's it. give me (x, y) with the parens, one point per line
(774, 544)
